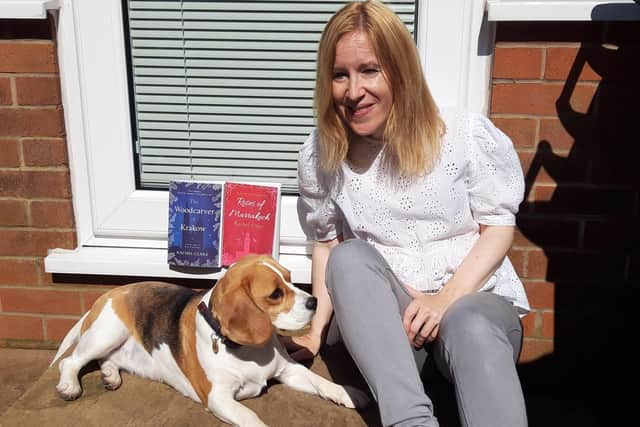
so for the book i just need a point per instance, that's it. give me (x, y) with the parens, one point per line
(194, 223)
(251, 219)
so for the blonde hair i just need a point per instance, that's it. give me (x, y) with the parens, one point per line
(413, 131)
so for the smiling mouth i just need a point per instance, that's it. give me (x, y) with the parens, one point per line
(360, 112)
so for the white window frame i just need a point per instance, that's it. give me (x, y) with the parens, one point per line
(121, 230)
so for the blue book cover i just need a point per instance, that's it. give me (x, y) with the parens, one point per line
(194, 223)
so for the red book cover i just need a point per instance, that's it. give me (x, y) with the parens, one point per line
(250, 220)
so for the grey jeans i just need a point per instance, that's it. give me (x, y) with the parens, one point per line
(477, 346)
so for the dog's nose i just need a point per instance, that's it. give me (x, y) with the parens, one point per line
(312, 303)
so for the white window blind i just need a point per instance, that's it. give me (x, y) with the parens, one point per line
(224, 90)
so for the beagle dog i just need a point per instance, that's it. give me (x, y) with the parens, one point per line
(215, 347)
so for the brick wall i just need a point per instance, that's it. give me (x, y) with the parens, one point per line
(36, 211)
(568, 95)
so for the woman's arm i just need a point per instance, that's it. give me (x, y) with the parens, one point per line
(423, 315)
(308, 345)
(319, 258)
(481, 262)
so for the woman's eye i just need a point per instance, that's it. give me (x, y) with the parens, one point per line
(339, 76)
(371, 71)
(276, 294)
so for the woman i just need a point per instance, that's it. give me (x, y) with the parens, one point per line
(412, 211)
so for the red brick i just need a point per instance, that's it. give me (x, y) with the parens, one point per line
(32, 122)
(533, 349)
(634, 267)
(541, 176)
(9, 153)
(552, 131)
(38, 90)
(5, 91)
(543, 193)
(47, 278)
(34, 243)
(35, 184)
(560, 61)
(517, 259)
(577, 200)
(52, 214)
(21, 327)
(547, 327)
(57, 328)
(619, 234)
(548, 167)
(19, 272)
(540, 294)
(525, 160)
(537, 98)
(529, 325)
(90, 297)
(40, 301)
(521, 240)
(536, 265)
(521, 131)
(544, 178)
(583, 268)
(614, 166)
(548, 31)
(13, 213)
(27, 29)
(517, 63)
(27, 57)
(44, 152)
(550, 232)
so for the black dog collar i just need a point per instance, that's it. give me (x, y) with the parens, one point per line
(215, 325)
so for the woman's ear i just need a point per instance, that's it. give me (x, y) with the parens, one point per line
(241, 320)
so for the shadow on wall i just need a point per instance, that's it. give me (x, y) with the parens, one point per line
(589, 230)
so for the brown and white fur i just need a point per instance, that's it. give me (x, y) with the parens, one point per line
(154, 330)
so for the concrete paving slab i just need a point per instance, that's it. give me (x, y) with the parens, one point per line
(19, 368)
(140, 402)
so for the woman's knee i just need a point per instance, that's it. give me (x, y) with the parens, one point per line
(347, 259)
(480, 320)
(349, 255)
(350, 252)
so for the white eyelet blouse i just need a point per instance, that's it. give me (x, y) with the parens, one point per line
(424, 226)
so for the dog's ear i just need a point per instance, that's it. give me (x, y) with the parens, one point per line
(241, 320)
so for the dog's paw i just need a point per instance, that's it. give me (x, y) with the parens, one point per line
(111, 378)
(347, 396)
(69, 391)
(111, 383)
(356, 397)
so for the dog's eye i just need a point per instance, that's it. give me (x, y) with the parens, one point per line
(276, 294)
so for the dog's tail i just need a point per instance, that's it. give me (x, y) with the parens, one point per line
(70, 339)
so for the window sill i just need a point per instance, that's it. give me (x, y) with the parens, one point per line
(146, 262)
(562, 10)
(27, 9)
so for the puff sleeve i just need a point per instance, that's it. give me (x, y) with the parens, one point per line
(317, 213)
(495, 181)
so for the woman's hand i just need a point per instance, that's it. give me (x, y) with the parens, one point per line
(302, 347)
(423, 315)
(307, 346)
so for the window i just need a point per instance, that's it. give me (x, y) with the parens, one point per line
(224, 90)
(121, 226)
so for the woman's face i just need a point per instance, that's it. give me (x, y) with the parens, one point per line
(361, 93)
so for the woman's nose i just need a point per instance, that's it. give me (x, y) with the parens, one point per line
(355, 90)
